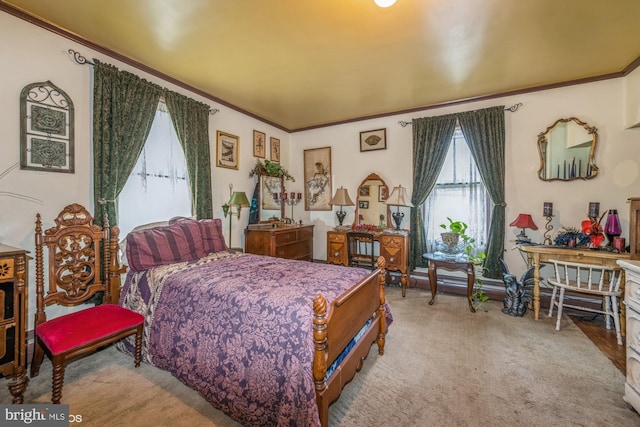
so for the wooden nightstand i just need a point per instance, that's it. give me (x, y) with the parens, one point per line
(13, 319)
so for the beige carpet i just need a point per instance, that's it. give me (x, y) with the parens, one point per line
(443, 366)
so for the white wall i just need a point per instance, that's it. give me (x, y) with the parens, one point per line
(29, 54)
(600, 104)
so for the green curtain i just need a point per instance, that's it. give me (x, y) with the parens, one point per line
(485, 135)
(124, 106)
(431, 140)
(190, 119)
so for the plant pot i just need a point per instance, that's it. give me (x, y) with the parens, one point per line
(450, 239)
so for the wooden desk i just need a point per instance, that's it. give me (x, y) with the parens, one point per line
(394, 247)
(461, 263)
(537, 254)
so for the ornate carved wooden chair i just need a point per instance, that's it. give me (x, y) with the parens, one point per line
(595, 280)
(360, 249)
(74, 276)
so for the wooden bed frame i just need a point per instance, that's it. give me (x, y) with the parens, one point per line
(333, 327)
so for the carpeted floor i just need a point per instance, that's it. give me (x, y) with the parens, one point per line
(443, 366)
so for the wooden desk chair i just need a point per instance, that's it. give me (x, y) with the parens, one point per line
(587, 279)
(360, 249)
(74, 276)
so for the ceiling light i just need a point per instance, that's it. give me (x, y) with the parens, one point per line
(384, 3)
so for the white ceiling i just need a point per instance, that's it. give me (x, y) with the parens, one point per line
(307, 63)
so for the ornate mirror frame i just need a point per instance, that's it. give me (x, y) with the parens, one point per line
(372, 195)
(266, 201)
(567, 151)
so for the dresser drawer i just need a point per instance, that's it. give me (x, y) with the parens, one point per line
(633, 370)
(633, 328)
(336, 238)
(297, 250)
(284, 237)
(632, 289)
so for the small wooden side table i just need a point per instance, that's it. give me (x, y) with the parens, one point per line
(461, 263)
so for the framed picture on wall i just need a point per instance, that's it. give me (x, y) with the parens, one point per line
(227, 146)
(371, 140)
(317, 179)
(275, 149)
(259, 144)
(383, 193)
(363, 204)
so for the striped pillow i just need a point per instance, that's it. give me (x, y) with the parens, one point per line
(164, 245)
(211, 230)
(212, 236)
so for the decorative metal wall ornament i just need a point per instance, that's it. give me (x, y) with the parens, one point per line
(46, 128)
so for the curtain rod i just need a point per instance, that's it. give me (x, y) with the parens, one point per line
(513, 109)
(81, 60)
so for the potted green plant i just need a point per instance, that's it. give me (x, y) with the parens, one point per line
(456, 231)
(271, 169)
(453, 230)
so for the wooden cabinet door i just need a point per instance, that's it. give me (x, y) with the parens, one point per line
(337, 248)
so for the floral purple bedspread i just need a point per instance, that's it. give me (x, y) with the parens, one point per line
(238, 329)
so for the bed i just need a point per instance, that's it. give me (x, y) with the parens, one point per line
(268, 341)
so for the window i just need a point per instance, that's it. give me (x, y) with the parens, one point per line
(459, 194)
(158, 187)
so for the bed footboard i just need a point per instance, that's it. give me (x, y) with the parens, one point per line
(359, 311)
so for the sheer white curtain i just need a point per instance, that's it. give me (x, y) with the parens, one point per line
(458, 194)
(158, 187)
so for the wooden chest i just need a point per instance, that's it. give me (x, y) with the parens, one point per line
(291, 242)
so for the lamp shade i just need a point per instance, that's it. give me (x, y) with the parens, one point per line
(399, 197)
(239, 198)
(524, 221)
(342, 198)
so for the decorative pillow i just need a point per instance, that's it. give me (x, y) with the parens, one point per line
(123, 242)
(211, 230)
(178, 242)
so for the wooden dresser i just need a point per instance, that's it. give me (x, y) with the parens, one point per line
(394, 247)
(13, 319)
(286, 241)
(632, 313)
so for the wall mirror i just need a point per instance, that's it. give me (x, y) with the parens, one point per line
(567, 151)
(370, 198)
(268, 206)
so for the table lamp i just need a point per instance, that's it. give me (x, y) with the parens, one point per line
(398, 197)
(523, 221)
(341, 198)
(238, 199)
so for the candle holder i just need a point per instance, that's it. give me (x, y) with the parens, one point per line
(594, 211)
(547, 212)
(612, 227)
(291, 201)
(547, 234)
